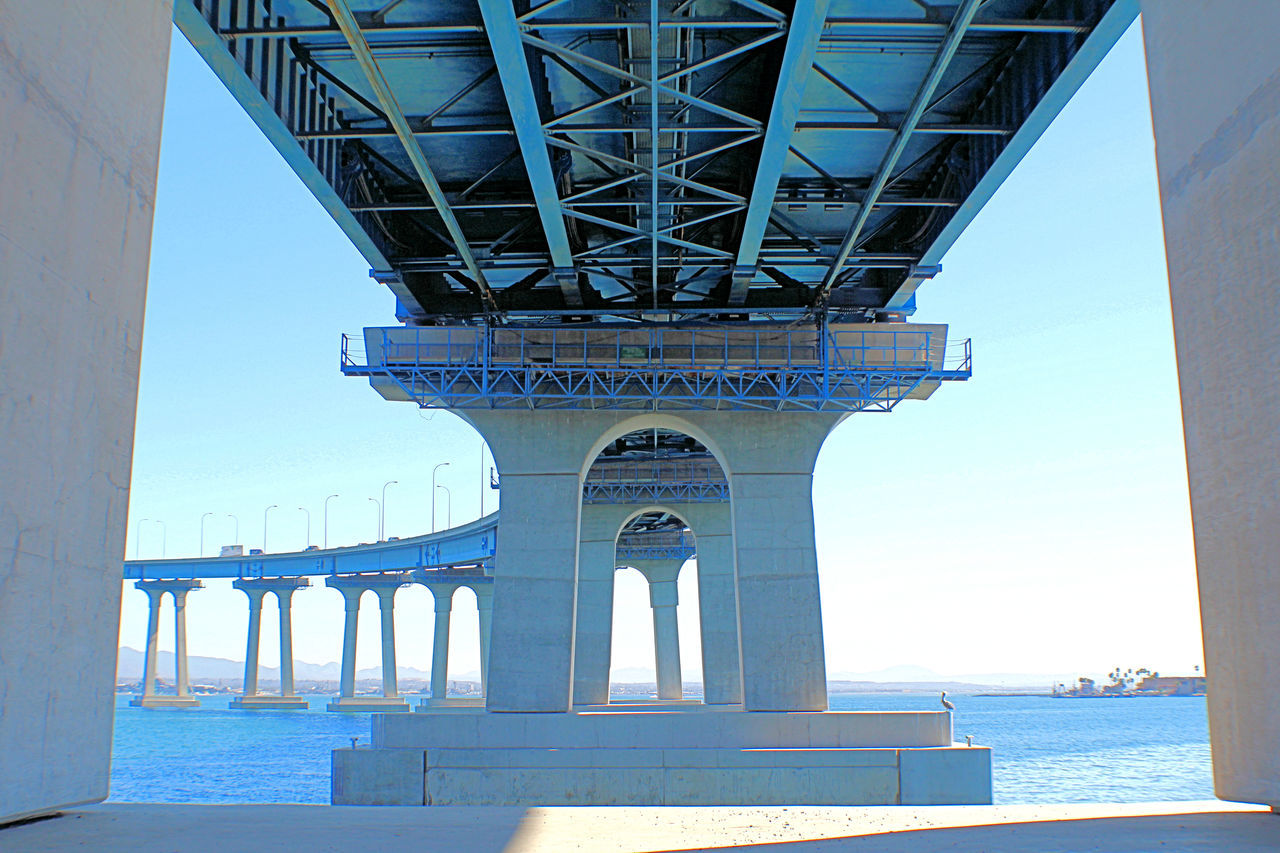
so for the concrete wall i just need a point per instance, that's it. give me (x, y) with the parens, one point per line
(81, 95)
(1214, 69)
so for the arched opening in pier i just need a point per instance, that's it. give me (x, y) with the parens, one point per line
(642, 633)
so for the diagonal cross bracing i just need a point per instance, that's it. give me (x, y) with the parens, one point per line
(803, 34)
(950, 43)
(386, 98)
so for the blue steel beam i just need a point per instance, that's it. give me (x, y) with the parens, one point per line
(804, 32)
(213, 50)
(346, 21)
(503, 31)
(941, 60)
(1100, 41)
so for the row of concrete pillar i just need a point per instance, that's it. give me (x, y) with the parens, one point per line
(352, 588)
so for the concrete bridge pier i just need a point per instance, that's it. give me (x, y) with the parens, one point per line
(1214, 72)
(593, 624)
(256, 589)
(155, 590)
(664, 598)
(352, 588)
(442, 595)
(484, 608)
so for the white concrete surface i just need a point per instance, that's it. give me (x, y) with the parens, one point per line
(442, 596)
(1214, 70)
(686, 776)
(81, 95)
(1203, 827)
(625, 728)
(664, 599)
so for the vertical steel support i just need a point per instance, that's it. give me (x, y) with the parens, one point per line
(503, 30)
(803, 33)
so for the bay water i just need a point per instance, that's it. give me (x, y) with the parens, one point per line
(1044, 750)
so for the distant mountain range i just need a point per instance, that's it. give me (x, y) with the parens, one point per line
(130, 663)
(905, 677)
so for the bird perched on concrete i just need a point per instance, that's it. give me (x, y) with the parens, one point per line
(945, 703)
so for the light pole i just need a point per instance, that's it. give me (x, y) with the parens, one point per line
(382, 510)
(137, 537)
(264, 526)
(236, 519)
(481, 478)
(433, 494)
(164, 535)
(448, 507)
(202, 518)
(326, 521)
(308, 512)
(379, 506)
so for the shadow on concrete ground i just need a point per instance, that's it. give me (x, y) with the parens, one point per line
(1211, 832)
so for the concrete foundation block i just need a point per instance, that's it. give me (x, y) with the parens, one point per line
(946, 776)
(378, 777)
(164, 702)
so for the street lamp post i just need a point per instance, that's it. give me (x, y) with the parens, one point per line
(137, 537)
(202, 518)
(379, 506)
(326, 521)
(448, 507)
(264, 526)
(382, 511)
(308, 512)
(433, 494)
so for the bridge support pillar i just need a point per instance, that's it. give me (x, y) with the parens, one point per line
(155, 590)
(484, 606)
(1214, 72)
(387, 612)
(352, 588)
(717, 605)
(541, 457)
(593, 643)
(256, 590)
(443, 596)
(664, 599)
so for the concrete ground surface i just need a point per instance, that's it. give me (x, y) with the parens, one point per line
(152, 828)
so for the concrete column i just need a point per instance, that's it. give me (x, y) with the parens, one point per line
(717, 605)
(484, 607)
(386, 605)
(541, 455)
(593, 645)
(284, 598)
(351, 598)
(180, 680)
(443, 595)
(81, 95)
(1214, 73)
(154, 599)
(255, 597)
(770, 459)
(664, 598)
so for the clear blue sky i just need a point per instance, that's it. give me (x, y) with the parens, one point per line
(1032, 520)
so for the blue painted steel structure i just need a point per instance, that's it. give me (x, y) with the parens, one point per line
(863, 368)
(659, 161)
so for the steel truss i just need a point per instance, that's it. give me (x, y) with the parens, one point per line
(513, 159)
(602, 368)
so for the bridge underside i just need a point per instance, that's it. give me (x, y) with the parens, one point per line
(733, 159)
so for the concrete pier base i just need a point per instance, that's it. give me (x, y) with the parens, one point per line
(662, 758)
(268, 703)
(445, 703)
(164, 702)
(366, 704)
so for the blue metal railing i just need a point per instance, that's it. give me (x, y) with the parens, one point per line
(869, 367)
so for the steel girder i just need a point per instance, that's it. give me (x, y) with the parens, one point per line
(592, 159)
